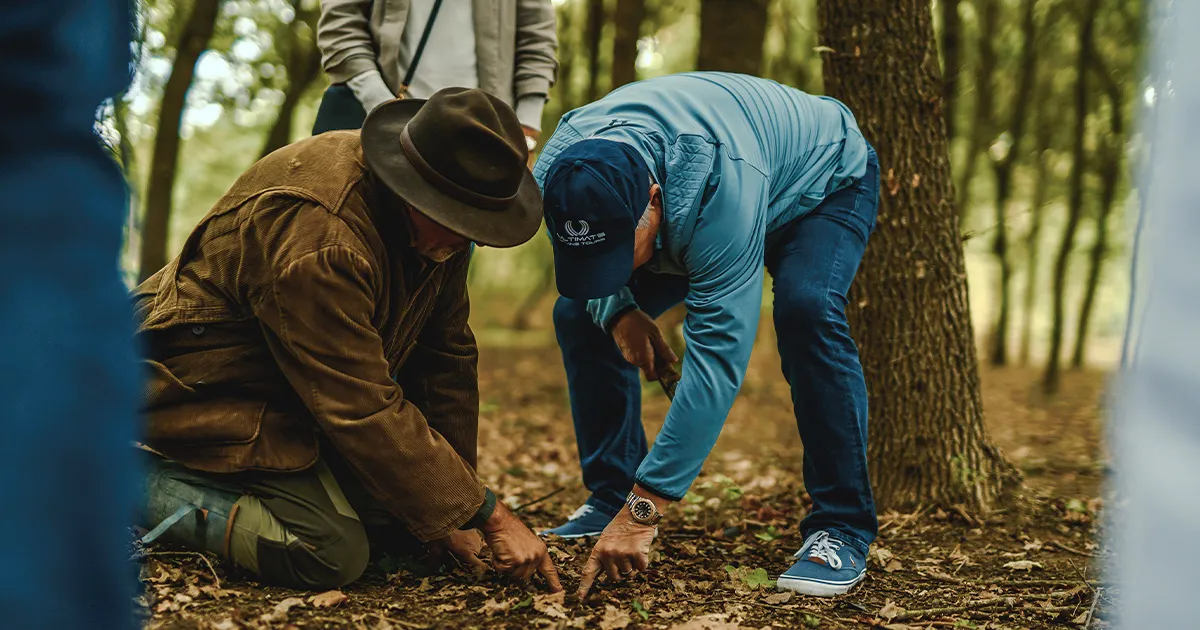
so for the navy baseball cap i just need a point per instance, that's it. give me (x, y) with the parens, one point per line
(593, 198)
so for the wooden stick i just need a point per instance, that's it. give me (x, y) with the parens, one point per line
(1086, 554)
(203, 557)
(950, 610)
(1083, 577)
(1092, 610)
(521, 508)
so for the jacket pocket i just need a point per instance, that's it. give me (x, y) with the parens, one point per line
(177, 413)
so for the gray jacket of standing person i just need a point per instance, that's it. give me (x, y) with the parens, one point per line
(368, 44)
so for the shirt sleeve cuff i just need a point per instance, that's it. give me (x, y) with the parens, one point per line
(484, 512)
(604, 310)
(370, 89)
(529, 111)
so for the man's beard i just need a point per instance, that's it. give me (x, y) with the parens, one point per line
(439, 254)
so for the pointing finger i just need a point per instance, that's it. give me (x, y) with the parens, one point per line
(590, 571)
(550, 573)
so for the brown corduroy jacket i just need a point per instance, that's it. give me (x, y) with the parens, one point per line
(299, 306)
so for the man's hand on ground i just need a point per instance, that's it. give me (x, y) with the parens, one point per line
(641, 341)
(463, 545)
(516, 550)
(623, 548)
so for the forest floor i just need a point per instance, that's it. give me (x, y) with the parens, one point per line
(1034, 565)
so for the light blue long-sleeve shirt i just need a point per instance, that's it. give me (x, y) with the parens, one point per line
(737, 157)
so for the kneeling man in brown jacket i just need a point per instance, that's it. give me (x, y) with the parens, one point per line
(313, 391)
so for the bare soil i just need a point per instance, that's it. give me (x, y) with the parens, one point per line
(1030, 565)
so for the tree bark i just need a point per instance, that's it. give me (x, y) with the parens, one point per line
(1110, 176)
(951, 62)
(909, 308)
(627, 26)
(1003, 168)
(732, 33)
(981, 118)
(1087, 23)
(192, 42)
(595, 29)
(303, 67)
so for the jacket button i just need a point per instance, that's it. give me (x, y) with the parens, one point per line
(197, 330)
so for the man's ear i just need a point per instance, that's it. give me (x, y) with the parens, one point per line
(656, 198)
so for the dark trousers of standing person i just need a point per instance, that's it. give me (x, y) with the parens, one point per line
(68, 375)
(339, 109)
(812, 261)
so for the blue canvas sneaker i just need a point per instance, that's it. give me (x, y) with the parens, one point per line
(827, 566)
(586, 521)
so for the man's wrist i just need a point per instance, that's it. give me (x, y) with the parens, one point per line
(484, 512)
(660, 503)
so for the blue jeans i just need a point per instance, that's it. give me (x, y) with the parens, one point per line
(812, 261)
(68, 375)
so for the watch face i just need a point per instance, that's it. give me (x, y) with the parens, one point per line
(642, 509)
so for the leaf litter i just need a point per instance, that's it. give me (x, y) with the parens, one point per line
(715, 562)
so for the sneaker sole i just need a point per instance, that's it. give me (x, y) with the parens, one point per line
(817, 588)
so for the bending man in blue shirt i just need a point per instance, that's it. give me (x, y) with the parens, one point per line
(683, 188)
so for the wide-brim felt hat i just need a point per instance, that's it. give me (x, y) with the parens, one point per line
(459, 158)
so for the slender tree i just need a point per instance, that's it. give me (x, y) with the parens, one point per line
(951, 62)
(732, 33)
(1087, 23)
(1003, 169)
(1111, 160)
(595, 30)
(984, 102)
(193, 41)
(909, 306)
(627, 26)
(303, 68)
(1046, 122)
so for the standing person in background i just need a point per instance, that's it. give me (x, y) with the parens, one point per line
(68, 381)
(376, 50)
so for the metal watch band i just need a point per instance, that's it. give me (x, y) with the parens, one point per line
(653, 519)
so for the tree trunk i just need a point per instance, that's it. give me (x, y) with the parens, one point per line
(192, 42)
(1110, 176)
(567, 42)
(951, 62)
(732, 33)
(1003, 168)
(627, 23)
(1033, 239)
(522, 319)
(909, 308)
(303, 67)
(1087, 23)
(981, 118)
(595, 29)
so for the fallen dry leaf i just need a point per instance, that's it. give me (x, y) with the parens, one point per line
(614, 618)
(1023, 565)
(491, 606)
(707, 622)
(281, 610)
(892, 566)
(890, 610)
(551, 604)
(328, 599)
(779, 598)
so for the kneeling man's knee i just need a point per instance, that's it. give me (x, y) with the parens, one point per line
(327, 553)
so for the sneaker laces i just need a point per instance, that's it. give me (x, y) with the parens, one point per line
(581, 512)
(825, 548)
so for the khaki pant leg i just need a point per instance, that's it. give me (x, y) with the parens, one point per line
(298, 530)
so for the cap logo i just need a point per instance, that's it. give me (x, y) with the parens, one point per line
(577, 229)
(579, 233)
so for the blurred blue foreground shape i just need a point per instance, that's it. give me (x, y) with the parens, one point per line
(68, 380)
(1156, 418)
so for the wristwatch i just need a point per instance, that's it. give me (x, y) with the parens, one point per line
(530, 143)
(643, 510)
